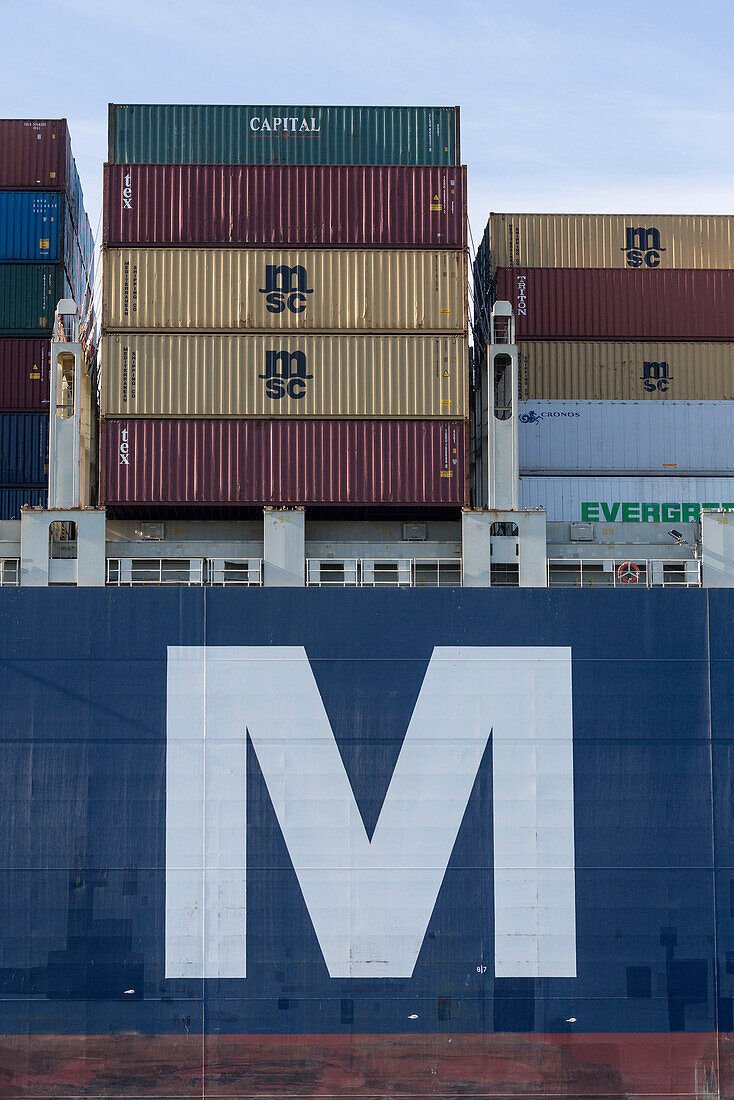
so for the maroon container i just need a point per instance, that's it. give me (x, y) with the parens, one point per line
(160, 204)
(24, 373)
(602, 304)
(33, 153)
(241, 462)
(36, 154)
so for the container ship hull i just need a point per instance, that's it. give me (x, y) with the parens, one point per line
(358, 843)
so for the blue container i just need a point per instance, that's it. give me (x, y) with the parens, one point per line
(37, 226)
(35, 155)
(32, 225)
(23, 449)
(12, 500)
(327, 755)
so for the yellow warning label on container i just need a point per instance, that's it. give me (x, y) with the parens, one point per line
(445, 400)
(35, 373)
(43, 243)
(447, 473)
(446, 311)
(436, 203)
(53, 174)
(446, 374)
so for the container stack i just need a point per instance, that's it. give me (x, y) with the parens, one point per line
(46, 253)
(284, 308)
(616, 316)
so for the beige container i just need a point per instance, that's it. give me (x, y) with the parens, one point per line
(577, 370)
(265, 290)
(276, 376)
(612, 240)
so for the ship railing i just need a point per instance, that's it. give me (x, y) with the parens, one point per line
(9, 572)
(332, 572)
(243, 572)
(188, 572)
(384, 572)
(155, 571)
(623, 573)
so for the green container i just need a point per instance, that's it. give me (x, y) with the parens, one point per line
(29, 294)
(167, 134)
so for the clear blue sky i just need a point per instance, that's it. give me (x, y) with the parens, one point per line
(595, 106)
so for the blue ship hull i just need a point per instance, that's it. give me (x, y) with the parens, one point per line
(104, 994)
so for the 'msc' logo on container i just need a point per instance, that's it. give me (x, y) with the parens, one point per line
(285, 288)
(642, 247)
(286, 374)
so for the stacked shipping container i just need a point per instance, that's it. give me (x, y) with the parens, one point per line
(46, 253)
(614, 308)
(284, 309)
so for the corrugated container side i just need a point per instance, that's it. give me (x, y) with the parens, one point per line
(600, 437)
(28, 297)
(23, 449)
(607, 369)
(12, 500)
(597, 304)
(259, 462)
(36, 153)
(24, 375)
(209, 134)
(259, 290)
(32, 226)
(33, 152)
(80, 274)
(380, 207)
(626, 499)
(610, 240)
(295, 376)
(36, 226)
(79, 213)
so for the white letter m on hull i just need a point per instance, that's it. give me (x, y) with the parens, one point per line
(370, 900)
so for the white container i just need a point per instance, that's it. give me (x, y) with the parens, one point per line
(603, 437)
(610, 500)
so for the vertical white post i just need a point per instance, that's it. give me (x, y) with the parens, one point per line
(65, 410)
(502, 396)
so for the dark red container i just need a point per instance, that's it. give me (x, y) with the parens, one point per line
(36, 154)
(24, 373)
(33, 153)
(242, 462)
(161, 204)
(603, 304)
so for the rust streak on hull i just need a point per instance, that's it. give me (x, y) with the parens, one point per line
(506, 1065)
